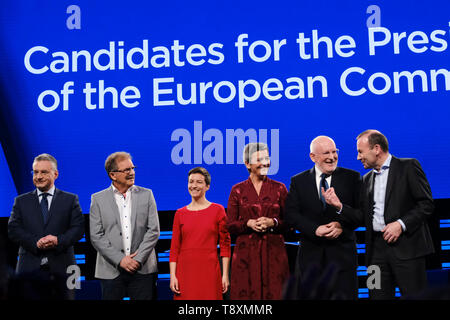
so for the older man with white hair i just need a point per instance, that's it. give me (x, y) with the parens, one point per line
(325, 243)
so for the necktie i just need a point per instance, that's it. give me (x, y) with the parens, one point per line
(44, 206)
(324, 185)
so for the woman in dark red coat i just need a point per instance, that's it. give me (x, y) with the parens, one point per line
(259, 266)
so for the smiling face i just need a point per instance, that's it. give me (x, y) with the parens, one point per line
(44, 175)
(197, 186)
(259, 163)
(324, 154)
(366, 154)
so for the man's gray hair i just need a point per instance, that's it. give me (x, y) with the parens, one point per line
(47, 157)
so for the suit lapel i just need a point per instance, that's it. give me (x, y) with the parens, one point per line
(53, 205)
(37, 208)
(390, 182)
(135, 197)
(369, 193)
(335, 179)
(313, 189)
(338, 181)
(114, 208)
(371, 185)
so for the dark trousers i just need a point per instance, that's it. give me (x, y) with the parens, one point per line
(408, 275)
(327, 279)
(135, 286)
(345, 279)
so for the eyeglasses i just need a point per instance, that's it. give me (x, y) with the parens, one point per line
(42, 172)
(330, 153)
(127, 170)
(259, 160)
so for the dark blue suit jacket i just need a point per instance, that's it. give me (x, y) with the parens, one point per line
(26, 226)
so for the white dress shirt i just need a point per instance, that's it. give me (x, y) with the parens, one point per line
(124, 205)
(319, 178)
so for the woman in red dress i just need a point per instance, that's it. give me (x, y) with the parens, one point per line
(197, 228)
(259, 266)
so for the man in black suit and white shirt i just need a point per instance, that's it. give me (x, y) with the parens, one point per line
(46, 222)
(324, 243)
(395, 203)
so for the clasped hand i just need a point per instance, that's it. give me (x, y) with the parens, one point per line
(261, 224)
(392, 231)
(331, 230)
(47, 242)
(129, 264)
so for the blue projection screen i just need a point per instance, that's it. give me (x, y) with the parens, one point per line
(180, 84)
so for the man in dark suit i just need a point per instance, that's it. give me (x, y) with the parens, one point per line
(396, 201)
(46, 222)
(324, 243)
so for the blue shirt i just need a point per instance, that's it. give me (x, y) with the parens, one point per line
(379, 196)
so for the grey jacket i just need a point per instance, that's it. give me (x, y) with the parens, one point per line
(106, 232)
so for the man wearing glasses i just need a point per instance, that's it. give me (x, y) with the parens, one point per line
(326, 246)
(124, 229)
(46, 223)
